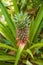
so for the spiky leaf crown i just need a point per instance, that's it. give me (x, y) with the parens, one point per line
(21, 20)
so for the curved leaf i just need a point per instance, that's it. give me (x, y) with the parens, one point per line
(29, 51)
(37, 45)
(2, 45)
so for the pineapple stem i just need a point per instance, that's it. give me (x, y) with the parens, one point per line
(21, 47)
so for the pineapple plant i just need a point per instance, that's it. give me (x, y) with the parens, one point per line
(17, 29)
(22, 21)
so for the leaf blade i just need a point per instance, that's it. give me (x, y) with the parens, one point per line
(8, 19)
(35, 24)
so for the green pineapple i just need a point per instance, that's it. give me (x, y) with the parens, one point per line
(22, 23)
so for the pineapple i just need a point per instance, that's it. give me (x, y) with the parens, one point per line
(22, 22)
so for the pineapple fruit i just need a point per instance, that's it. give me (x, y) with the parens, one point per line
(22, 24)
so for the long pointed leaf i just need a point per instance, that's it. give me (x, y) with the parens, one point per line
(15, 6)
(38, 32)
(37, 45)
(8, 19)
(20, 49)
(2, 45)
(6, 58)
(35, 24)
(18, 56)
(5, 30)
(29, 52)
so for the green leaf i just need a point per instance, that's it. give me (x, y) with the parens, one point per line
(2, 52)
(29, 51)
(35, 24)
(4, 30)
(20, 49)
(38, 31)
(2, 45)
(15, 6)
(39, 62)
(41, 55)
(18, 56)
(6, 58)
(5, 63)
(41, 41)
(28, 63)
(36, 45)
(8, 19)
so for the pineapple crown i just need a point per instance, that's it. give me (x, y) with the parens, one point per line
(21, 20)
